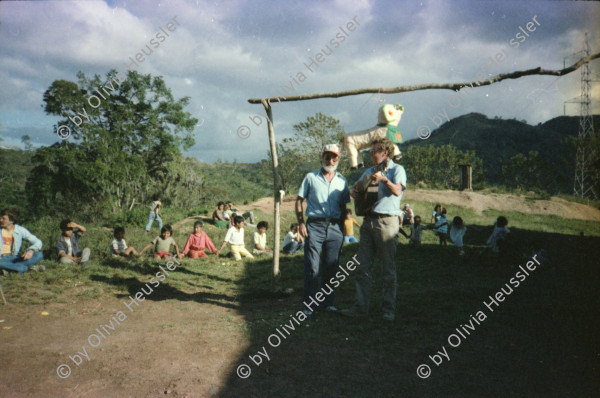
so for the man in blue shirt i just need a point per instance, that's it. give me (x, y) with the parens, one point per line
(326, 194)
(379, 231)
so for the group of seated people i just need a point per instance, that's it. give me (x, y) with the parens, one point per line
(225, 212)
(455, 230)
(439, 224)
(68, 247)
(69, 250)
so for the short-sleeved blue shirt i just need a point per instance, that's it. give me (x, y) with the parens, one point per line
(324, 199)
(387, 202)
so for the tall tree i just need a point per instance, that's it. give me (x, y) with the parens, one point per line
(126, 131)
(26, 141)
(301, 153)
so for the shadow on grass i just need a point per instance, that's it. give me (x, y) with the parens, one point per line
(151, 267)
(164, 292)
(538, 341)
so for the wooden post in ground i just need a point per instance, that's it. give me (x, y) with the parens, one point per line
(2, 292)
(276, 195)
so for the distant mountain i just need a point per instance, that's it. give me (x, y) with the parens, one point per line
(496, 140)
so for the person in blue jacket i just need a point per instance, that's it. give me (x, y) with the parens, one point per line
(11, 241)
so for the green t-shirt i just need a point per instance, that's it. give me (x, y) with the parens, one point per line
(163, 245)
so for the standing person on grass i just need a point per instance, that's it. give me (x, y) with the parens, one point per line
(441, 228)
(11, 240)
(326, 194)
(379, 231)
(437, 211)
(349, 224)
(154, 213)
(67, 245)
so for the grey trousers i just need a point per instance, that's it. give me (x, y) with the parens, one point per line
(85, 256)
(378, 237)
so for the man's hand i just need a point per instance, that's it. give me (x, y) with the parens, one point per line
(379, 177)
(77, 259)
(302, 230)
(27, 255)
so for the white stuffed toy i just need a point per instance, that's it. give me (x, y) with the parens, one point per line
(388, 119)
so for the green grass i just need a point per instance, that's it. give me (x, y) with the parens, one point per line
(539, 342)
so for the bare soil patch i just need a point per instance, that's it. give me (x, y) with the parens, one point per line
(473, 200)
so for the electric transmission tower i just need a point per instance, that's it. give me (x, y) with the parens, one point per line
(583, 184)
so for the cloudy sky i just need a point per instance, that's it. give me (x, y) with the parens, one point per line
(222, 53)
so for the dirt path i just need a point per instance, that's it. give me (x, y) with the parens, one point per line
(473, 200)
(162, 348)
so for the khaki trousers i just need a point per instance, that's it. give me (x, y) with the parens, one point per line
(378, 237)
(239, 251)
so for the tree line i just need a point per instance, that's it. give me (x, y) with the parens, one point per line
(132, 145)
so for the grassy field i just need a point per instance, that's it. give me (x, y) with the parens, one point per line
(540, 341)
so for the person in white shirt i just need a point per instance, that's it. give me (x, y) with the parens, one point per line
(118, 246)
(497, 239)
(457, 232)
(407, 217)
(259, 239)
(235, 237)
(67, 245)
(293, 241)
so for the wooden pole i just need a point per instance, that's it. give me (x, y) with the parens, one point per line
(430, 86)
(3, 299)
(276, 195)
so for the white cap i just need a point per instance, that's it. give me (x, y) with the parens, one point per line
(333, 148)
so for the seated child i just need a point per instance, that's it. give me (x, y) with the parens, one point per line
(162, 244)
(259, 238)
(118, 247)
(457, 232)
(441, 228)
(197, 242)
(407, 216)
(498, 237)
(217, 216)
(416, 231)
(349, 224)
(235, 237)
(67, 245)
(293, 241)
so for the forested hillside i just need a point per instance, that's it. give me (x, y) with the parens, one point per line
(496, 141)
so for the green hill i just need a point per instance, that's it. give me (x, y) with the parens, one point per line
(497, 140)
